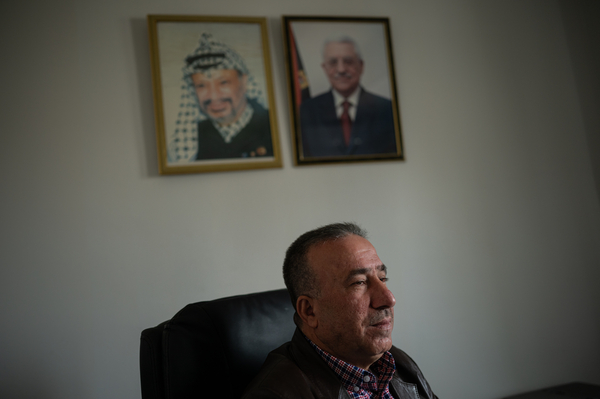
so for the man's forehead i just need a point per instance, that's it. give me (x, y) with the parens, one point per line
(333, 49)
(348, 252)
(215, 73)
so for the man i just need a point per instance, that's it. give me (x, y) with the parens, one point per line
(342, 347)
(347, 120)
(225, 121)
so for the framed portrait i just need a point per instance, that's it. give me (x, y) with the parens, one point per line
(213, 94)
(343, 99)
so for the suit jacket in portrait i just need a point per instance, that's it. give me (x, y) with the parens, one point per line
(372, 129)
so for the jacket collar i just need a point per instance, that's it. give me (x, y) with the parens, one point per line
(315, 369)
(329, 386)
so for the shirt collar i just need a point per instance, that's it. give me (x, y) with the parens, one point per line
(355, 379)
(352, 98)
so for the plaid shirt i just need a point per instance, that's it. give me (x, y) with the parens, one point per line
(362, 384)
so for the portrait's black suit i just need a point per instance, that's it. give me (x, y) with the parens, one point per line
(372, 129)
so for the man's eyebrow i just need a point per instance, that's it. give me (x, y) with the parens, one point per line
(365, 270)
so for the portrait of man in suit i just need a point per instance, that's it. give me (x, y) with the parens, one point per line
(347, 119)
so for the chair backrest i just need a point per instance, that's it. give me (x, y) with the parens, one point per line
(214, 348)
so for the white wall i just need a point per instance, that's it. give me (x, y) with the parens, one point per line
(491, 226)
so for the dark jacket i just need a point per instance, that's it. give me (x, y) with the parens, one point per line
(296, 371)
(372, 132)
(256, 134)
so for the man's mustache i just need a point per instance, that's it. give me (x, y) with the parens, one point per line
(206, 103)
(380, 316)
(342, 75)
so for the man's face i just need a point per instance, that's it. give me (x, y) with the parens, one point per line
(221, 94)
(355, 310)
(342, 66)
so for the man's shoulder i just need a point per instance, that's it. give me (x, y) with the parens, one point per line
(260, 123)
(294, 370)
(402, 359)
(409, 373)
(257, 107)
(316, 101)
(278, 377)
(367, 97)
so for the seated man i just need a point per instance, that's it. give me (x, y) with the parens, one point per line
(342, 347)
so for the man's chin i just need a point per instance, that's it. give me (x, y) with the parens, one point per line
(345, 89)
(381, 346)
(385, 344)
(221, 120)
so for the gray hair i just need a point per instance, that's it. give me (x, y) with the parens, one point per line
(342, 39)
(297, 273)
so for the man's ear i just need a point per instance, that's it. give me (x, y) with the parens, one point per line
(305, 307)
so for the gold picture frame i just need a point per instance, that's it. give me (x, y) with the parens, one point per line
(342, 87)
(213, 94)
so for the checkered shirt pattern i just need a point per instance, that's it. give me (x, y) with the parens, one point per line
(362, 384)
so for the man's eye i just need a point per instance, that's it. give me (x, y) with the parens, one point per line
(361, 282)
(384, 279)
(350, 61)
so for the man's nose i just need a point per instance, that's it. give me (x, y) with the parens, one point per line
(213, 92)
(340, 66)
(382, 297)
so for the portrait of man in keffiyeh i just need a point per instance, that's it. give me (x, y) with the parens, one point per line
(222, 112)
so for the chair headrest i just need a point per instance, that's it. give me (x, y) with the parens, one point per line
(224, 342)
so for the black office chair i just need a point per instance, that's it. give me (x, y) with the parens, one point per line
(214, 348)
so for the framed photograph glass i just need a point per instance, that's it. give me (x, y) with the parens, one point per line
(343, 97)
(213, 94)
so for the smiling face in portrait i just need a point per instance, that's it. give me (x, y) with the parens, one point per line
(353, 316)
(221, 94)
(343, 67)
